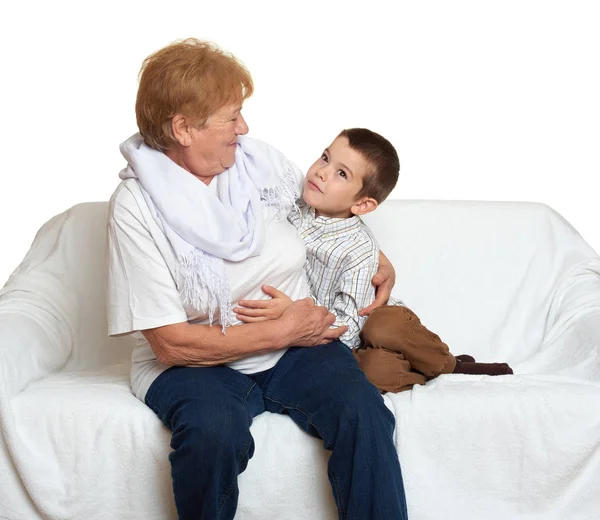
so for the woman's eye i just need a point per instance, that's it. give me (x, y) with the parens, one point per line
(342, 174)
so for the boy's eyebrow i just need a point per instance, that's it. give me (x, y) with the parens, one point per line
(342, 164)
(347, 169)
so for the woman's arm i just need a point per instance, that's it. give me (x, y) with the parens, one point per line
(142, 296)
(353, 292)
(384, 281)
(302, 324)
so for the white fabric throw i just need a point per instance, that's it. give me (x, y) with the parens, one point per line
(205, 229)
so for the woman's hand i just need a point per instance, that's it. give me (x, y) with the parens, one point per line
(308, 325)
(384, 281)
(250, 311)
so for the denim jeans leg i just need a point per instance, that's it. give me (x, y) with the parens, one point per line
(328, 396)
(209, 411)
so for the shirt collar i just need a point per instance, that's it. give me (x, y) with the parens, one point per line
(331, 227)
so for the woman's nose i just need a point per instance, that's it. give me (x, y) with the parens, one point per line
(242, 126)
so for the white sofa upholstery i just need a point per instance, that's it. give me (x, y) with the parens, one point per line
(501, 281)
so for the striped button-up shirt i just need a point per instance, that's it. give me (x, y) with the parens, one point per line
(342, 256)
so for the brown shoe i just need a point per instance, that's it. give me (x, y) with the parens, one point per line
(488, 369)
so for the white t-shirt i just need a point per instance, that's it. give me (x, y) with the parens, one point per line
(141, 279)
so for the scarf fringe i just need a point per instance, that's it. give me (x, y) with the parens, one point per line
(205, 287)
(204, 284)
(288, 190)
(201, 277)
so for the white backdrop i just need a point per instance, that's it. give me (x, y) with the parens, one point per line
(484, 100)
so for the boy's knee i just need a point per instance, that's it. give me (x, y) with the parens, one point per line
(388, 323)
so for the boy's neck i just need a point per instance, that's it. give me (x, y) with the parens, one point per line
(322, 214)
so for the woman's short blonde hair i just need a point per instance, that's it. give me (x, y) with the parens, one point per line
(189, 77)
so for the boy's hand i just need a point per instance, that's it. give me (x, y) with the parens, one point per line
(250, 311)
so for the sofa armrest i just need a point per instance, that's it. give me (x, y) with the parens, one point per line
(576, 293)
(571, 344)
(34, 341)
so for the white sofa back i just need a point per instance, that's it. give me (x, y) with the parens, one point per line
(482, 275)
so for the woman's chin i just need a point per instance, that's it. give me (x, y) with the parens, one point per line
(228, 161)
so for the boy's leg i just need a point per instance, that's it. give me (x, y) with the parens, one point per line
(209, 411)
(387, 370)
(326, 394)
(400, 330)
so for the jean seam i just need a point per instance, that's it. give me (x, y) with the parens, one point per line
(227, 495)
(334, 483)
(244, 449)
(310, 421)
(159, 413)
(248, 393)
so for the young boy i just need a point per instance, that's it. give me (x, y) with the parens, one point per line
(351, 178)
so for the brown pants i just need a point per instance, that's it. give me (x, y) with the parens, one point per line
(398, 351)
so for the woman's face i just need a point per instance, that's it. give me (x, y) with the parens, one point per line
(212, 147)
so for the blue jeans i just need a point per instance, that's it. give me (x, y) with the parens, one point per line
(210, 410)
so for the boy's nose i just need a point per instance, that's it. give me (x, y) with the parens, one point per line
(322, 173)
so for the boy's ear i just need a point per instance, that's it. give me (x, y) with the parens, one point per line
(364, 205)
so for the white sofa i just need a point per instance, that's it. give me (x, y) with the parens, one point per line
(502, 281)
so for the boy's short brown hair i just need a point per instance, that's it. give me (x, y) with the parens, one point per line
(382, 159)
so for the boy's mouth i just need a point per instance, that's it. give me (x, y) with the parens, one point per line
(314, 187)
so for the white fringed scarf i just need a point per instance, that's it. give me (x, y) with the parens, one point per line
(204, 229)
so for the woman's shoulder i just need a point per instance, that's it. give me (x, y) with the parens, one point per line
(125, 201)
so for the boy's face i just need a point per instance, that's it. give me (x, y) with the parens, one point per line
(334, 180)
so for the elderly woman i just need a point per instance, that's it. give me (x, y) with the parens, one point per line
(198, 222)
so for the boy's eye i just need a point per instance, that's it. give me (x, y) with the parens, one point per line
(343, 174)
(324, 157)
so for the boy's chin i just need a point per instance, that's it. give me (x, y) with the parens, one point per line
(307, 199)
(310, 203)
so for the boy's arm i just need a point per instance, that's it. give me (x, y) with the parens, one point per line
(355, 292)
(251, 311)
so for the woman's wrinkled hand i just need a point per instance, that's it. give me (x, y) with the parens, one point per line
(309, 324)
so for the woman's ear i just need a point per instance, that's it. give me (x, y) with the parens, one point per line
(363, 206)
(181, 130)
